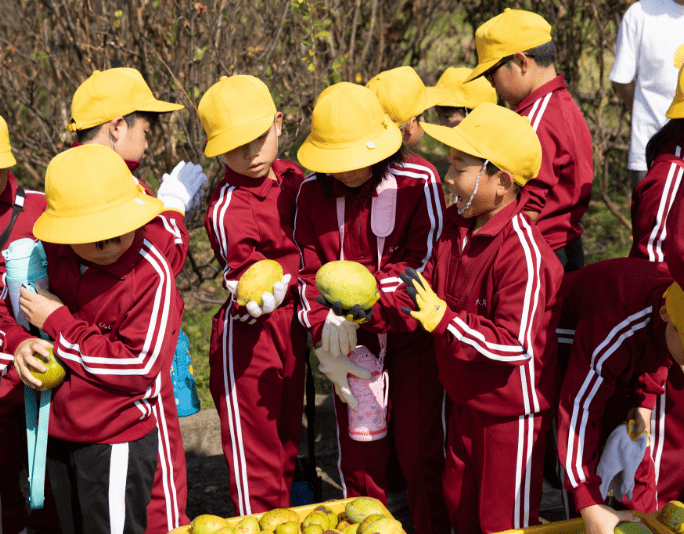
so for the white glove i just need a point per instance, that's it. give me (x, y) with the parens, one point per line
(270, 301)
(339, 335)
(336, 369)
(179, 188)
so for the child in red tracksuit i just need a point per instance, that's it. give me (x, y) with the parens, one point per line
(19, 209)
(516, 54)
(615, 331)
(115, 108)
(342, 213)
(492, 313)
(114, 314)
(652, 200)
(257, 351)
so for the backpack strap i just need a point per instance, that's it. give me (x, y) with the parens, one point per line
(17, 208)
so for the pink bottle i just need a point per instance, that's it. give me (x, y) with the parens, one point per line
(369, 421)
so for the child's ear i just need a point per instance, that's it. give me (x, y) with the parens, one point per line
(279, 123)
(116, 127)
(663, 314)
(524, 62)
(505, 183)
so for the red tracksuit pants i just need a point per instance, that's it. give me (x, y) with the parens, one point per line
(494, 470)
(166, 510)
(257, 383)
(416, 400)
(13, 457)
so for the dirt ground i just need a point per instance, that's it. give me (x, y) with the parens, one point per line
(208, 491)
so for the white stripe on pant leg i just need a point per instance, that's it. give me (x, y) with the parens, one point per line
(528, 468)
(518, 471)
(236, 473)
(118, 472)
(339, 451)
(167, 472)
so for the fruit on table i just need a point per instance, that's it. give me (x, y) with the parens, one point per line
(332, 516)
(278, 516)
(291, 527)
(312, 529)
(384, 525)
(207, 524)
(351, 529)
(367, 522)
(626, 527)
(224, 530)
(360, 508)
(248, 525)
(316, 517)
(672, 516)
(257, 280)
(53, 375)
(349, 282)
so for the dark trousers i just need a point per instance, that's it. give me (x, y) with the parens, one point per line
(102, 488)
(571, 256)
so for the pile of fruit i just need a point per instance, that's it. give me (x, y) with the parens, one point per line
(362, 515)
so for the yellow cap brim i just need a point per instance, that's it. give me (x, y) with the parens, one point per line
(481, 68)
(436, 96)
(237, 136)
(159, 106)
(155, 106)
(450, 137)
(330, 160)
(99, 226)
(7, 160)
(676, 110)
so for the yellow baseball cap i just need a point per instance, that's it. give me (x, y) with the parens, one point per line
(235, 111)
(110, 93)
(349, 131)
(498, 134)
(514, 30)
(465, 95)
(676, 109)
(403, 95)
(6, 158)
(91, 196)
(674, 305)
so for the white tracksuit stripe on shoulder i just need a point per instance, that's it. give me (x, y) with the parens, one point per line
(172, 228)
(218, 217)
(659, 232)
(592, 382)
(542, 107)
(303, 313)
(140, 364)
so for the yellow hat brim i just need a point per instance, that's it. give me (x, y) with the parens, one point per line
(451, 138)
(159, 106)
(436, 96)
(676, 110)
(7, 160)
(99, 226)
(481, 68)
(237, 136)
(332, 160)
(155, 106)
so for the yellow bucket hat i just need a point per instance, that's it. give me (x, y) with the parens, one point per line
(235, 111)
(91, 196)
(514, 30)
(674, 305)
(465, 95)
(6, 158)
(349, 131)
(676, 109)
(109, 93)
(403, 95)
(498, 134)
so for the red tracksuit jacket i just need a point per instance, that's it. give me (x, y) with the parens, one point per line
(496, 344)
(561, 192)
(34, 205)
(417, 226)
(651, 203)
(117, 334)
(618, 360)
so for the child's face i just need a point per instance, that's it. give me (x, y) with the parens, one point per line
(3, 179)
(461, 179)
(255, 159)
(132, 142)
(355, 178)
(105, 252)
(509, 82)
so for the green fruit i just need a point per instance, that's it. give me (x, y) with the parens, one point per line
(316, 517)
(359, 509)
(53, 375)
(224, 530)
(349, 282)
(342, 525)
(627, 527)
(384, 525)
(278, 516)
(291, 527)
(672, 516)
(312, 529)
(257, 280)
(351, 529)
(207, 524)
(368, 521)
(332, 516)
(248, 525)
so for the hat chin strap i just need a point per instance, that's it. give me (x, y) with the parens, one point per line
(477, 183)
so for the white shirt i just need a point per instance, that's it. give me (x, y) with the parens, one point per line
(650, 49)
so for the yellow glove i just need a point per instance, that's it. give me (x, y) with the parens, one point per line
(429, 307)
